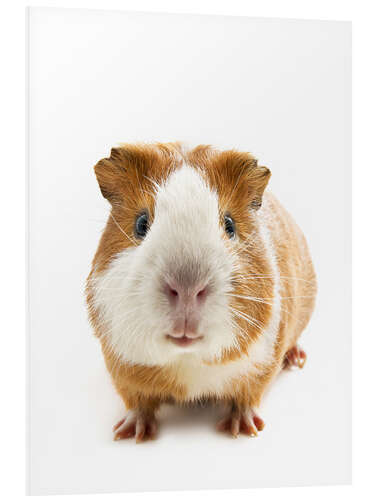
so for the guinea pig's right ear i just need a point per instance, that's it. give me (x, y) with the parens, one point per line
(110, 173)
(258, 180)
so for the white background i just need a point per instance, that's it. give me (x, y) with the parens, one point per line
(12, 103)
(280, 88)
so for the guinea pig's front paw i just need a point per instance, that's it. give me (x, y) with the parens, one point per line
(136, 423)
(295, 358)
(244, 421)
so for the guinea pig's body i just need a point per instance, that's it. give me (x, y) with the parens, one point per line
(201, 285)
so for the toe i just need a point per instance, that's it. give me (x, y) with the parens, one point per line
(248, 427)
(125, 432)
(224, 424)
(119, 424)
(152, 429)
(301, 358)
(258, 422)
(235, 427)
(140, 430)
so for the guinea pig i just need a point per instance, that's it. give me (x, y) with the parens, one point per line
(201, 285)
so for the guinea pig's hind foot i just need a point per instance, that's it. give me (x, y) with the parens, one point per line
(295, 357)
(241, 421)
(136, 424)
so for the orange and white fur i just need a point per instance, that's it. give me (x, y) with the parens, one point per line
(201, 285)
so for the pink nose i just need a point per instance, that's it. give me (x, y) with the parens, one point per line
(186, 304)
(178, 293)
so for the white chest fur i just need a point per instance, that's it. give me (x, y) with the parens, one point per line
(204, 380)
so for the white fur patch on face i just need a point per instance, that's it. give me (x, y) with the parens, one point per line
(185, 240)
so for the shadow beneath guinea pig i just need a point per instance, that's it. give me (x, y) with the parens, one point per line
(194, 415)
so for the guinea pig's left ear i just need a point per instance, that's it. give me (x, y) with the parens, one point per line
(258, 179)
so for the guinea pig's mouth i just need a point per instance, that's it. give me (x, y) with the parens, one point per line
(184, 341)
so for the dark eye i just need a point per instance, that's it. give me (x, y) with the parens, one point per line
(230, 227)
(141, 225)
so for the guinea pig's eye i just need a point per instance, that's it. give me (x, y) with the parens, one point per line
(230, 227)
(141, 225)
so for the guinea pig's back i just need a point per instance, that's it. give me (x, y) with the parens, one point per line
(296, 270)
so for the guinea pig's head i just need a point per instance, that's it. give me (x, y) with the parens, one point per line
(172, 274)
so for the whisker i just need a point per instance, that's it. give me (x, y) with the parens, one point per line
(247, 297)
(270, 276)
(120, 228)
(155, 184)
(247, 318)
